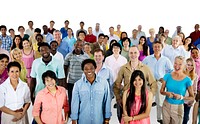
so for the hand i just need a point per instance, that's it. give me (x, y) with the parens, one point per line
(17, 116)
(190, 103)
(126, 118)
(169, 94)
(119, 101)
(32, 100)
(73, 121)
(176, 96)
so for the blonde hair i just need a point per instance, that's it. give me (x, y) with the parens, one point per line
(192, 73)
(12, 53)
(152, 29)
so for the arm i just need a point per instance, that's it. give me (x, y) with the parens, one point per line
(107, 102)
(6, 110)
(32, 89)
(66, 106)
(36, 108)
(148, 51)
(125, 95)
(75, 104)
(152, 81)
(162, 90)
(191, 94)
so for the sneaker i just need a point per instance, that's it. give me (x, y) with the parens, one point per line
(115, 105)
(160, 121)
(154, 104)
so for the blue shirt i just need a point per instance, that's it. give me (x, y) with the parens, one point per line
(39, 67)
(177, 87)
(71, 41)
(6, 42)
(150, 44)
(159, 67)
(91, 103)
(64, 48)
(64, 32)
(49, 37)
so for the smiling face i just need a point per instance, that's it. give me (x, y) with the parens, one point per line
(89, 70)
(87, 48)
(142, 41)
(98, 57)
(157, 48)
(26, 44)
(17, 55)
(50, 83)
(14, 73)
(189, 66)
(45, 51)
(138, 82)
(17, 41)
(134, 54)
(195, 54)
(178, 65)
(3, 63)
(176, 41)
(78, 47)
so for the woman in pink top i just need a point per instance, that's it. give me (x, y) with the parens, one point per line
(137, 101)
(50, 101)
(143, 48)
(28, 58)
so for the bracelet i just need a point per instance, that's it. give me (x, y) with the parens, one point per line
(181, 97)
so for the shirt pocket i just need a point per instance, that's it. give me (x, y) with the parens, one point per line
(99, 94)
(84, 95)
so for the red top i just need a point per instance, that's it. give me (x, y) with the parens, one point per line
(195, 35)
(90, 38)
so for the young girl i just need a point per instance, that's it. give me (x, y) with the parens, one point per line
(17, 56)
(143, 48)
(27, 57)
(137, 101)
(190, 72)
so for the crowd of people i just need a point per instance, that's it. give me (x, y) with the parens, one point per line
(76, 74)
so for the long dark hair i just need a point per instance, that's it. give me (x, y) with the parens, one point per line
(145, 46)
(131, 97)
(14, 44)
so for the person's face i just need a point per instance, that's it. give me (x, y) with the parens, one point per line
(17, 40)
(50, 82)
(157, 48)
(181, 36)
(118, 27)
(116, 50)
(100, 39)
(90, 30)
(188, 41)
(126, 43)
(78, 46)
(97, 26)
(89, 70)
(142, 41)
(26, 44)
(111, 30)
(189, 66)
(3, 31)
(14, 73)
(39, 39)
(138, 82)
(134, 33)
(54, 46)
(21, 30)
(124, 35)
(45, 29)
(30, 24)
(45, 51)
(12, 32)
(51, 24)
(178, 29)
(98, 57)
(87, 48)
(81, 25)
(162, 38)
(57, 36)
(178, 65)
(196, 27)
(133, 54)
(66, 24)
(161, 30)
(3, 63)
(139, 27)
(151, 32)
(195, 54)
(17, 55)
(81, 36)
(105, 40)
(175, 42)
(166, 33)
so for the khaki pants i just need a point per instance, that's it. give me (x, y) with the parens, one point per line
(7, 119)
(159, 99)
(172, 114)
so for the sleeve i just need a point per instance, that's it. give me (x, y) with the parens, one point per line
(33, 70)
(165, 78)
(117, 83)
(189, 82)
(37, 105)
(169, 66)
(65, 104)
(67, 58)
(27, 98)
(152, 81)
(75, 102)
(145, 61)
(60, 71)
(107, 101)
(2, 96)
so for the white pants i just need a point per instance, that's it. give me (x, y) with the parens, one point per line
(7, 119)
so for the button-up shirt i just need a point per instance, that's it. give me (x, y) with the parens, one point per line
(52, 106)
(6, 42)
(71, 41)
(64, 48)
(91, 103)
(49, 37)
(90, 38)
(14, 99)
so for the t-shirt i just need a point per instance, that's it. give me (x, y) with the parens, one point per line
(177, 87)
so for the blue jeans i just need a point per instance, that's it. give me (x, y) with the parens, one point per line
(186, 113)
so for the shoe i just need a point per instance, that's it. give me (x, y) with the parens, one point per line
(160, 121)
(115, 105)
(154, 104)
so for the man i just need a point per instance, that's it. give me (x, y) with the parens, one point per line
(55, 53)
(46, 34)
(168, 39)
(177, 31)
(118, 31)
(90, 37)
(91, 102)
(72, 66)
(81, 36)
(102, 70)
(81, 29)
(70, 38)
(6, 40)
(12, 33)
(51, 29)
(97, 30)
(196, 34)
(112, 35)
(159, 65)
(99, 44)
(140, 32)
(134, 39)
(125, 74)
(41, 65)
(63, 30)
(63, 46)
(30, 30)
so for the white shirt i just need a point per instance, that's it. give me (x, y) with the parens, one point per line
(113, 37)
(95, 33)
(171, 53)
(115, 64)
(59, 57)
(30, 32)
(14, 99)
(139, 34)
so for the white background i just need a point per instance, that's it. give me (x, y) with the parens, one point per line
(128, 13)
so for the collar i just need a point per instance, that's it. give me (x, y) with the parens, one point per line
(58, 90)
(73, 52)
(128, 65)
(86, 81)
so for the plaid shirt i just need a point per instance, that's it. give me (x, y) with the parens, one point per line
(6, 42)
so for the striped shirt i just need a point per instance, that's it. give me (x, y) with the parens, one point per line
(6, 42)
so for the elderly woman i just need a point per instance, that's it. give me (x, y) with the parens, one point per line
(49, 110)
(176, 84)
(14, 97)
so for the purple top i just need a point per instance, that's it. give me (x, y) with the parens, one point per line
(142, 56)
(3, 76)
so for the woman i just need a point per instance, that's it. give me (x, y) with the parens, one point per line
(17, 42)
(49, 110)
(17, 56)
(126, 43)
(109, 51)
(187, 43)
(190, 72)
(21, 30)
(143, 48)
(162, 39)
(123, 35)
(27, 57)
(4, 59)
(182, 35)
(137, 101)
(176, 84)
(87, 49)
(15, 103)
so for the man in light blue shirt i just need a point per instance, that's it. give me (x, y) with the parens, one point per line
(47, 35)
(91, 102)
(102, 70)
(159, 65)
